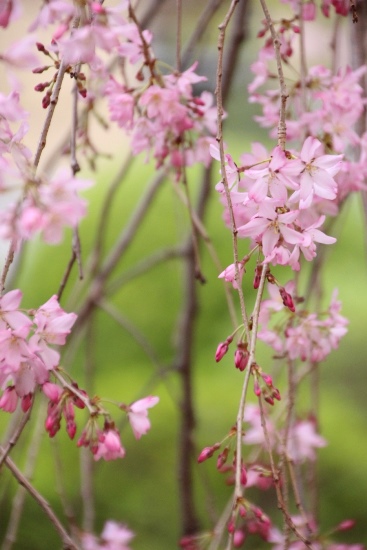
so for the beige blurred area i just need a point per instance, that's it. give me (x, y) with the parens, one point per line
(112, 141)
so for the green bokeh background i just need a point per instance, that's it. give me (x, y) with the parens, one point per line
(142, 489)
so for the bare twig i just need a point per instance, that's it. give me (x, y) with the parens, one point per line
(197, 34)
(178, 34)
(68, 543)
(282, 129)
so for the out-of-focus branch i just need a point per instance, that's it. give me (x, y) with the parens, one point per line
(359, 55)
(97, 288)
(200, 28)
(68, 543)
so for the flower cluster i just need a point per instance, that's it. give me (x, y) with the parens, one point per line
(27, 355)
(166, 118)
(280, 201)
(305, 336)
(248, 519)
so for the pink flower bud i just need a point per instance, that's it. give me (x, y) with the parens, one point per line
(346, 525)
(40, 70)
(276, 394)
(243, 475)
(52, 391)
(267, 379)
(287, 299)
(40, 47)
(46, 100)
(71, 428)
(257, 389)
(238, 538)
(26, 402)
(222, 458)
(269, 399)
(242, 510)
(231, 525)
(258, 271)
(208, 452)
(222, 349)
(41, 86)
(241, 357)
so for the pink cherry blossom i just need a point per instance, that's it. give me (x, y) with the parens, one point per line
(230, 272)
(116, 535)
(138, 415)
(9, 311)
(9, 400)
(109, 447)
(317, 174)
(303, 440)
(269, 225)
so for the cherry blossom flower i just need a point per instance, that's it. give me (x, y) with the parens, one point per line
(303, 440)
(230, 272)
(269, 225)
(9, 311)
(317, 174)
(109, 445)
(138, 415)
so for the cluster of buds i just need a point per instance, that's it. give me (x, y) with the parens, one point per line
(104, 443)
(61, 403)
(42, 86)
(254, 522)
(241, 355)
(263, 385)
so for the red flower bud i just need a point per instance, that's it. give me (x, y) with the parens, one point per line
(346, 525)
(287, 299)
(208, 452)
(257, 278)
(241, 357)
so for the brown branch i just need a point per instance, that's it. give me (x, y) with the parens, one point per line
(282, 129)
(178, 34)
(277, 482)
(68, 543)
(199, 30)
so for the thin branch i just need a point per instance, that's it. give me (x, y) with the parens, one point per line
(129, 232)
(220, 112)
(197, 34)
(178, 34)
(282, 129)
(68, 543)
(277, 481)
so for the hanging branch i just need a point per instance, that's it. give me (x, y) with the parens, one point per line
(282, 128)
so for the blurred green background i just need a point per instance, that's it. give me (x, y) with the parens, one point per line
(142, 489)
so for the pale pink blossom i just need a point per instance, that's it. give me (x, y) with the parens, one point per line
(229, 273)
(254, 435)
(53, 12)
(138, 415)
(22, 54)
(303, 440)
(80, 46)
(269, 225)
(116, 535)
(9, 311)
(133, 48)
(317, 175)
(9, 399)
(109, 446)
(13, 348)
